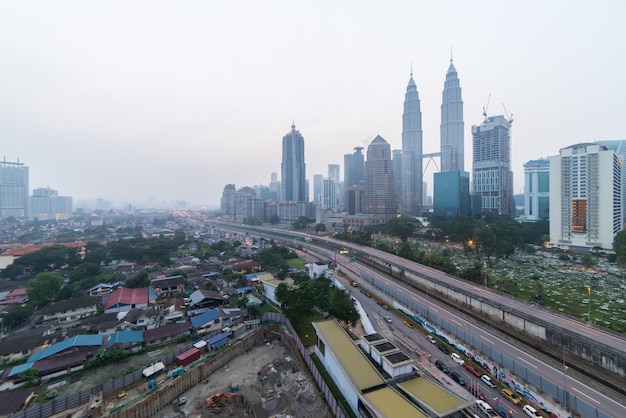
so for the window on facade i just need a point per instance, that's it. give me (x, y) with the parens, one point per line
(579, 215)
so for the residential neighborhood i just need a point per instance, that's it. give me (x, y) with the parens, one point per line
(103, 306)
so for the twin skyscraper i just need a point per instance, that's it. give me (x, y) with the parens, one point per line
(410, 178)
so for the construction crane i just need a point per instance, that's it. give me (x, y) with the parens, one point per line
(485, 107)
(509, 118)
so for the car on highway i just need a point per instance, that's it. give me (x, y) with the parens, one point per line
(443, 349)
(442, 366)
(487, 381)
(388, 319)
(408, 324)
(473, 370)
(353, 284)
(458, 378)
(511, 396)
(530, 411)
(457, 359)
(431, 339)
(502, 411)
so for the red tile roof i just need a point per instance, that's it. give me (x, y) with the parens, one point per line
(32, 248)
(127, 296)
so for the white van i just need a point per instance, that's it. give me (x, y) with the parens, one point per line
(485, 408)
(530, 411)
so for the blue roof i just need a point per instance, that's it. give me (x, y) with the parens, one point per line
(20, 368)
(122, 337)
(200, 320)
(219, 337)
(244, 289)
(76, 341)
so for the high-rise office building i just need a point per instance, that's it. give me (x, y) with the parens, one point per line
(585, 197)
(334, 172)
(537, 190)
(411, 200)
(329, 195)
(379, 196)
(452, 138)
(13, 189)
(492, 178)
(348, 170)
(274, 186)
(396, 159)
(45, 203)
(293, 168)
(353, 167)
(451, 194)
(318, 188)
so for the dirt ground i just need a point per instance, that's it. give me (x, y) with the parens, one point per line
(267, 377)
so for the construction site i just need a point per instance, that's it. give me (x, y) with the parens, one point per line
(261, 375)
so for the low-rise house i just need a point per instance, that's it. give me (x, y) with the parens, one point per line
(174, 311)
(125, 299)
(165, 287)
(140, 318)
(207, 322)
(125, 268)
(128, 340)
(205, 299)
(243, 267)
(70, 310)
(101, 289)
(317, 269)
(16, 297)
(166, 333)
(105, 324)
(73, 344)
(270, 283)
(231, 316)
(19, 346)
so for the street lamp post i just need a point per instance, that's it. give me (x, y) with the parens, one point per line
(485, 271)
(589, 301)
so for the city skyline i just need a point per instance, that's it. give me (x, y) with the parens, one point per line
(124, 101)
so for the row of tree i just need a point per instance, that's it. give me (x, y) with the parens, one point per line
(315, 295)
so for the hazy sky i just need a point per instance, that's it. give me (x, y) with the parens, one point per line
(175, 99)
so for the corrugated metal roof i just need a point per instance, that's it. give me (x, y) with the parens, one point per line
(123, 337)
(20, 368)
(76, 341)
(203, 319)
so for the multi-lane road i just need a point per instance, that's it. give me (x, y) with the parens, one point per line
(603, 399)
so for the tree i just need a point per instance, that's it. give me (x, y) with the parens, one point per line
(302, 222)
(342, 306)
(84, 271)
(619, 246)
(243, 301)
(253, 310)
(320, 227)
(274, 219)
(403, 227)
(140, 279)
(30, 376)
(18, 316)
(44, 287)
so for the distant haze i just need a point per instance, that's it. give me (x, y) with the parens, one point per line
(128, 99)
